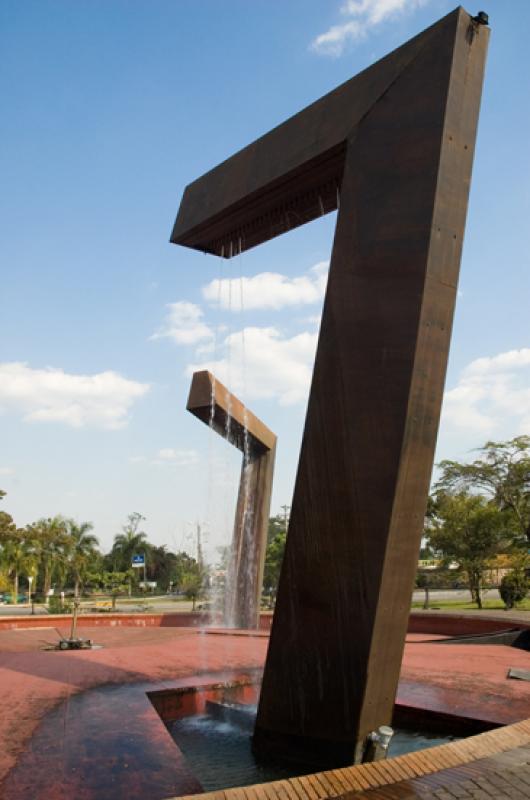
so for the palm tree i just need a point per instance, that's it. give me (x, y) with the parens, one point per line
(128, 543)
(162, 565)
(49, 542)
(15, 554)
(82, 550)
(18, 557)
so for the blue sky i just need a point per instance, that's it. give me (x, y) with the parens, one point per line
(110, 107)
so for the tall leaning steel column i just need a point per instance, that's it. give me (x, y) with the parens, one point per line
(395, 144)
(370, 433)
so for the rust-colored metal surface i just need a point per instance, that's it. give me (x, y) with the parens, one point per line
(289, 176)
(400, 138)
(212, 403)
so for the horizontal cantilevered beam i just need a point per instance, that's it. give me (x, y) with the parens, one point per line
(291, 175)
(211, 402)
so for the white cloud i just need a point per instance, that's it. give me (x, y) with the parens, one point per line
(184, 324)
(169, 457)
(268, 290)
(176, 458)
(167, 453)
(512, 359)
(364, 15)
(6, 471)
(492, 396)
(313, 319)
(102, 400)
(334, 40)
(262, 363)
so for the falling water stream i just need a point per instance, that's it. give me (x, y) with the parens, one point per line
(221, 600)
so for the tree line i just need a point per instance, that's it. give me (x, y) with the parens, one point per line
(62, 553)
(476, 512)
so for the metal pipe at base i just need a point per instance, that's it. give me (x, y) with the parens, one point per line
(377, 743)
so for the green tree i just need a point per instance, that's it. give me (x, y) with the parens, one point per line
(192, 583)
(468, 530)
(18, 557)
(273, 561)
(5, 519)
(49, 542)
(277, 524)
(502, 472)
(162, 566)
(514, 587)
(171, 567)
(128, 543)
(82, 550)
(115, 583)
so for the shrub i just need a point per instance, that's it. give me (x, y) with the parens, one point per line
(56, 606)
(514, 587)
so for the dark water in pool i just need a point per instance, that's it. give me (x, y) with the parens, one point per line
(220, 755)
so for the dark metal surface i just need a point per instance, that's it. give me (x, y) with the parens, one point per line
(289, 176)
(400, 138)
(211, 402)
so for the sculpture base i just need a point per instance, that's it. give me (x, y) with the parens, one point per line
(319, 754)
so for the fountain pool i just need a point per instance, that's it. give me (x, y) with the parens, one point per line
(214, 733)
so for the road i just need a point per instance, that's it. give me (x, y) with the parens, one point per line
(165, 605)
(20, 610)
(160, 605)
(458, 595)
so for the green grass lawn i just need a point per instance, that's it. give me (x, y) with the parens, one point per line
(490, 605)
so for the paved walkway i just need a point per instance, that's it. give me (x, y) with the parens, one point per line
(43, 725)
(80, 724)
(505, 776)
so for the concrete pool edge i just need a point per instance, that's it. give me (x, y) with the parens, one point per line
(429, 621)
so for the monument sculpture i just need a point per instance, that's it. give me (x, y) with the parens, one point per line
(392, 149)
(212, 403)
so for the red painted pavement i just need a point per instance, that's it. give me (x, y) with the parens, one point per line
(79, 724)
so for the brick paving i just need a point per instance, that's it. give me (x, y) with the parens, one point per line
(505, 776)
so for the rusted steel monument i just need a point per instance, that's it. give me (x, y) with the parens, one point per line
(212, 403)
(392, 149)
